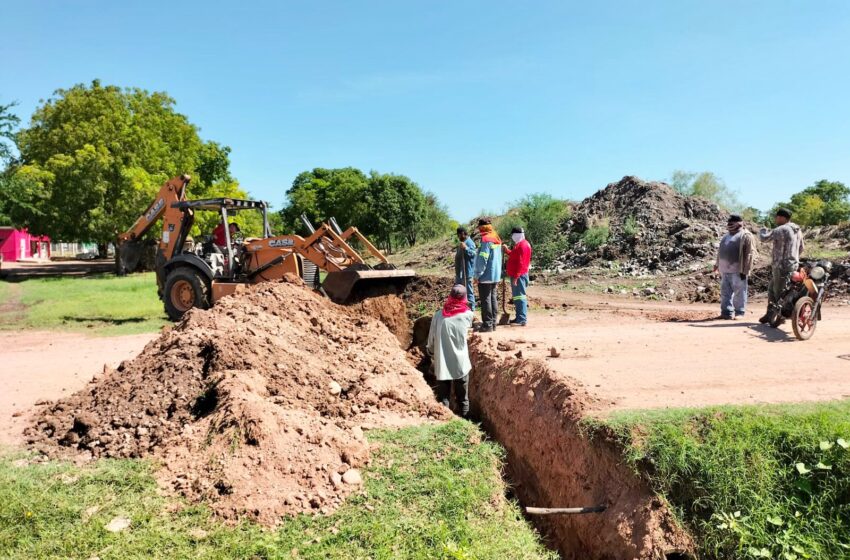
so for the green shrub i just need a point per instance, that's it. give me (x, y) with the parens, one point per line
(630, 227)
(596, 235)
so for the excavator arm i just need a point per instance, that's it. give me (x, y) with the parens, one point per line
(129, 249)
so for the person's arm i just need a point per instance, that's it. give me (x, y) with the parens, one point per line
(766, 234)
(802, 244)
(432, 336)
(484, 252)
(470, 249)
(747, 255)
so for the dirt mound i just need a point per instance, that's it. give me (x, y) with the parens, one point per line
(652, 228)
(424, 295)
(256, 406)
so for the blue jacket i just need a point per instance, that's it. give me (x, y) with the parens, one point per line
(488, 262)
(465, 258)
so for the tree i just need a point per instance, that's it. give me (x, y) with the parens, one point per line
(435, 220)
(93, 157)
(541, 216)
(325, 193)
(8, 123)
(705, 185)
(822, 204)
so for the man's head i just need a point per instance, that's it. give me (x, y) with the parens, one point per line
(462, 233)
(517, 234)
(458, 292)
(484, 221)
(783, 216)
(734, 222)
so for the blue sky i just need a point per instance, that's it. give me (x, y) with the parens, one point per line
(480, 102)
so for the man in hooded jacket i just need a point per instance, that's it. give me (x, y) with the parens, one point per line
(787, 242)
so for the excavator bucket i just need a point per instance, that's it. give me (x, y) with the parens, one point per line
(129, 255)
(355, 283)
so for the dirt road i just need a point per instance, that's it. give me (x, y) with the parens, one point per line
(48, 365)
(632, 354)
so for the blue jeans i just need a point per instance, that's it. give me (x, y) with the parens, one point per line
(518, 292)
(733, 295)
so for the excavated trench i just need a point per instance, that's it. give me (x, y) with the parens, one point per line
(535, 416)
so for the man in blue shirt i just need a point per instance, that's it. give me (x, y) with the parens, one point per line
(465, 265)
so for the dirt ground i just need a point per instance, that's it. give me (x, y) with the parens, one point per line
(632, 354)
(49, 365)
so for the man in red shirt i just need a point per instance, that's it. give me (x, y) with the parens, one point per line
(519, 259)
(218, 233)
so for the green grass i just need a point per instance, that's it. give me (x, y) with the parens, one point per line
(750, 482)
(596, 236)
(104, 305)
(432, 492)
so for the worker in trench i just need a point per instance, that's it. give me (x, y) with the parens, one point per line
(519, 261)
(488, 272)
(465, 264)
(448, 349)
(787, 239)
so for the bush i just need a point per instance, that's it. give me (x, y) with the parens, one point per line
(541, 216)
(630, 227)
(596, 235)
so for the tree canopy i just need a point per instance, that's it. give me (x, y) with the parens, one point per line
(822, 204)
(93, 157)
(706, 185)
(389, 208)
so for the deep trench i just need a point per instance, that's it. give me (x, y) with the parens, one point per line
(551, 463)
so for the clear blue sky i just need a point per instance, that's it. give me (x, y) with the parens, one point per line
(480, 102)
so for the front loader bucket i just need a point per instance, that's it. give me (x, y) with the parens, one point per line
(351, 285)
(129, 255)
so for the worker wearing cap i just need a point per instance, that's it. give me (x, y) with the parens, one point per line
(734, 264)
(448, 349)
(788, 245)
(488, 272)
(519, 260)
(465, 264)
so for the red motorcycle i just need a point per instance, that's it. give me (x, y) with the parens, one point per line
(802, 299)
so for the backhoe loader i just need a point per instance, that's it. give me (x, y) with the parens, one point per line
(198, 274)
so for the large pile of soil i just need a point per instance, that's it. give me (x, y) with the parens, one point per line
(256, 406)
(673, 232)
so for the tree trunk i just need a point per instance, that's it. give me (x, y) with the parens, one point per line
(102, 250)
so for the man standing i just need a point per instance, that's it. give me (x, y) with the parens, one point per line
(734, 263)
(448, 349)
(787, 242)
(465, 264)
(488, 272)
(519, 259)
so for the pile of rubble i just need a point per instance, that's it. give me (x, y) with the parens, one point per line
(257, 406)
(652, 228)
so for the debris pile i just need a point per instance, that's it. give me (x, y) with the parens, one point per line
(652, 228)
(257, 406)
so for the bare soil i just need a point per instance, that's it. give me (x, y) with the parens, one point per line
(257, 406)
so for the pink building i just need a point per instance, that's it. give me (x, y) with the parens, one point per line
(16, 245)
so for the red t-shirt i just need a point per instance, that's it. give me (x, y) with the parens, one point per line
(218, 236)
(519, 258)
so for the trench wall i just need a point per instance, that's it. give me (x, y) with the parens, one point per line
(534, 415)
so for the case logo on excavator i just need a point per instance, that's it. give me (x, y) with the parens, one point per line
(154, 209)
(282, 243)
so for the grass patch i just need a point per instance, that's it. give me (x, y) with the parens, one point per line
(105, 304)
(431, 492)
(752, 481)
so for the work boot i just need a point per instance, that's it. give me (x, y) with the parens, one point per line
(765, 319)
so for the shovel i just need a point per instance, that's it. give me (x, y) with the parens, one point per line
(505, 319)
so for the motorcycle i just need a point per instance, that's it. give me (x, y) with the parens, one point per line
(802, 299)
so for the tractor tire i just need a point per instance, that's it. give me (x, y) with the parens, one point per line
(185, 288)
(803, 319)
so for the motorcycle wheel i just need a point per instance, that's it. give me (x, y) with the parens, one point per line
(804, 320)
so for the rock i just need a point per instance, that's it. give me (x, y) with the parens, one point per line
(117, 524)
(553, 352)
(506, 346)
(356, 454)
(336, 480)
(518, 355)
(334, 388)
(352, 477)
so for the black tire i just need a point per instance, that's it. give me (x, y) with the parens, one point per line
(185, 288)
(804, 320)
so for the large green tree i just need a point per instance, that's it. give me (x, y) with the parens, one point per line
(822, 204)
(706, 185)
(93, 157)
(8, 124)
(388, 207)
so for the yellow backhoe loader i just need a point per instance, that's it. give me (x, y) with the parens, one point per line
(198, 274)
